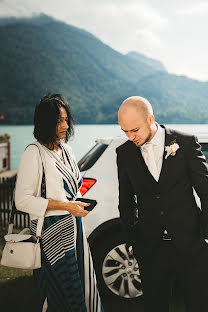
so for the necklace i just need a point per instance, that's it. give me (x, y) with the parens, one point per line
(60, 154)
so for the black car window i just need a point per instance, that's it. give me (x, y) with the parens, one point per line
(89, 159)
(205, 150)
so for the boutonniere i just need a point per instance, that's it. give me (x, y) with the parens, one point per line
(171, 149)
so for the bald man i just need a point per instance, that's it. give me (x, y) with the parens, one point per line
(157, 171)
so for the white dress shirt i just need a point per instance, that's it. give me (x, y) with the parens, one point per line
(158, 145)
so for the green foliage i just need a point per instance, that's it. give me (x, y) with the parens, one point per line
(42, 55)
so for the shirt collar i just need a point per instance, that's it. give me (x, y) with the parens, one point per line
(158, 137)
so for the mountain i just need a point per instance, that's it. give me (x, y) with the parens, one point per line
(156, 65)
(39, 19)
(40, 55)
(176, 99)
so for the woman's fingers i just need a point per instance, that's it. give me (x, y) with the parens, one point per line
(82, 212)
(82, 204)
(77, 208)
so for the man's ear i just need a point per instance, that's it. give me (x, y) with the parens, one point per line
(151, 119)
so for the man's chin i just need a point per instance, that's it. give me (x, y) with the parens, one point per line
(138, 144)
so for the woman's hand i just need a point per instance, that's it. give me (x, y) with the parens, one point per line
(77, 208)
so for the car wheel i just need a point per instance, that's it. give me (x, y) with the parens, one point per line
(116, 268)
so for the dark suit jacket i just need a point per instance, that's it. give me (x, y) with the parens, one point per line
(166, 204)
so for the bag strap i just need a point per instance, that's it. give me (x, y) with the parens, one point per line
(43, 194)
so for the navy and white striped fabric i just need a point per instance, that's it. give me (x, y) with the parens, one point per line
(66, 281)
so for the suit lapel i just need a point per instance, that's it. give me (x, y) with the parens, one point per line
(169, 137)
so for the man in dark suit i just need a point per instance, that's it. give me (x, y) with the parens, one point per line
(157, 171)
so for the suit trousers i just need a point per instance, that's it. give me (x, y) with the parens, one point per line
(167, 262)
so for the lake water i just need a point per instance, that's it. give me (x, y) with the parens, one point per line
(83, 140)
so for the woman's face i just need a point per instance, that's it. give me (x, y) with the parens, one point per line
(62, 124)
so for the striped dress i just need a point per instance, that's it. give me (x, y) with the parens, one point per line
(66, 281)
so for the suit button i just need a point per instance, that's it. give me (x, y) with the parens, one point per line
(161, 213)
(158, 196)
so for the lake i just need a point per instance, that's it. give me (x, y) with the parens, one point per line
(83, 140)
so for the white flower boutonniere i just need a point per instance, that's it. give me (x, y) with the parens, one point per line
(171, 149)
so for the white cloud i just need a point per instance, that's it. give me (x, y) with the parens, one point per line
(84, 12)
(124, 26)
(148, 39)
(141, 13)
(199, 9)
(12, 8)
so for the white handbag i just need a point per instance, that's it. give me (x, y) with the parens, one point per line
(23, 250)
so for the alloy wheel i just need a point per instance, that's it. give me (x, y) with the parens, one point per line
(121, 273)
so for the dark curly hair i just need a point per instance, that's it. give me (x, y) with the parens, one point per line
(46, 117)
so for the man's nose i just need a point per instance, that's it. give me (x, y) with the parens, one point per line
(131, 136)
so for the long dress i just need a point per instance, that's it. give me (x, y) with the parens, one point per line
(66, 281)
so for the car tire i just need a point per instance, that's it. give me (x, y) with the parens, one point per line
(116, 268)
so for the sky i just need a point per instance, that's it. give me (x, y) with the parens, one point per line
(173, 32)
